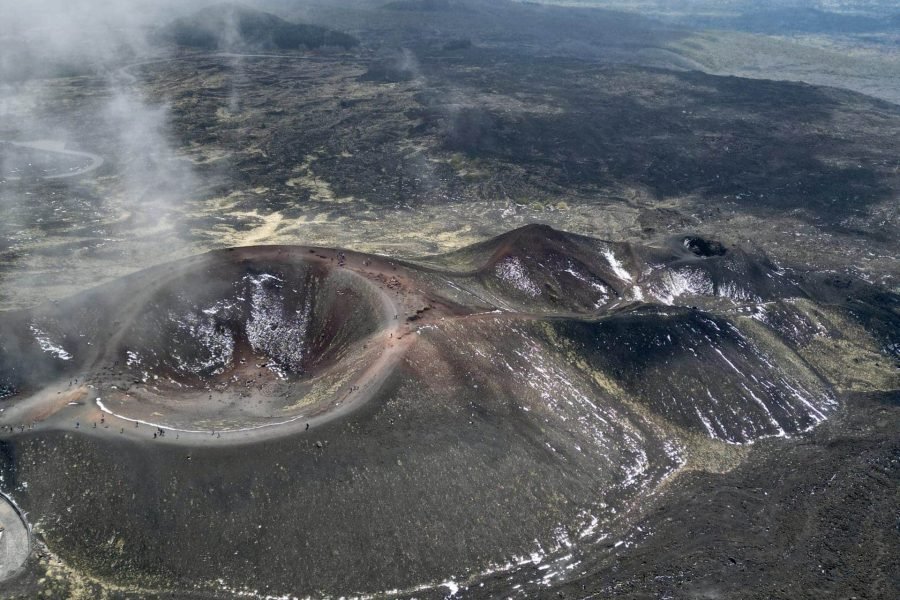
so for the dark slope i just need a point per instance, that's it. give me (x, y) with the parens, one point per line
(804, 519)
(703, 373)
(233, 27)
(537, 268)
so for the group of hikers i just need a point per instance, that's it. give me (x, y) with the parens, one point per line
(13, 428)
(159, 433)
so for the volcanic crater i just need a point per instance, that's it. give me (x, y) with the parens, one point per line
(224, 341)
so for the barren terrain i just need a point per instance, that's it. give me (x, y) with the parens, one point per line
(492, 300)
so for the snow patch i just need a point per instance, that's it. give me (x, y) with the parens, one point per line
(682, 282)
(47, 344)
(617, 267)
(512, 271)
(271, 331)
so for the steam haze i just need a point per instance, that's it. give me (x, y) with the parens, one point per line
(145, 176)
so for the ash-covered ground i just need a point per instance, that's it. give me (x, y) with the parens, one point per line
(437, 299)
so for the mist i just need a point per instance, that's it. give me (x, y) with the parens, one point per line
(98, 160)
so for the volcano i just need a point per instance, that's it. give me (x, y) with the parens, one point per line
(356, 423)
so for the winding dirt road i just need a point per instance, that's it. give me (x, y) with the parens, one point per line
(58, 147)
